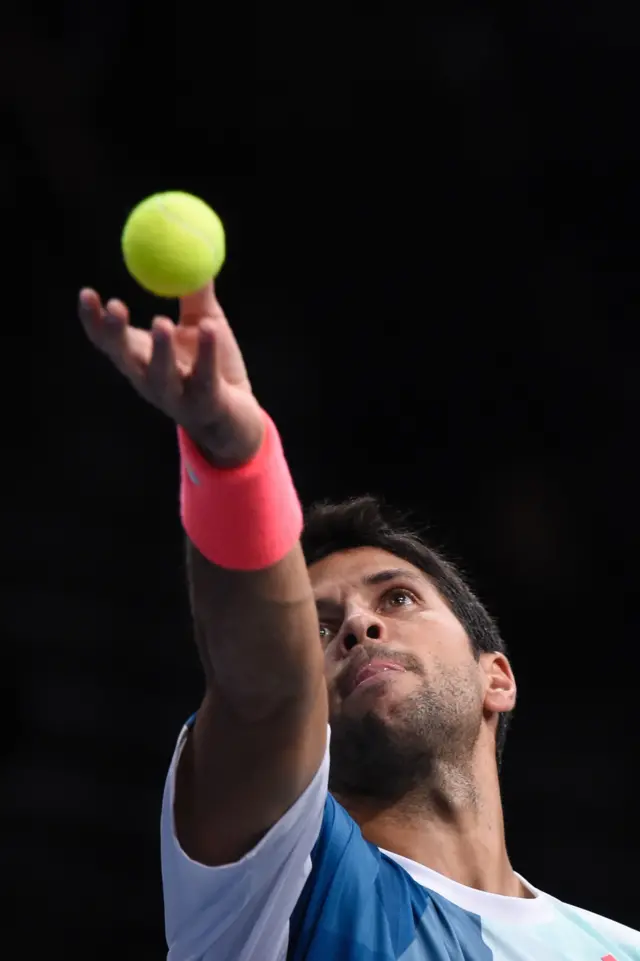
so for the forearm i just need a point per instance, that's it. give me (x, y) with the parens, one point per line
(256, 632)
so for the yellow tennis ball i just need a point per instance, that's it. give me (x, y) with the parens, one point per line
(173, 244)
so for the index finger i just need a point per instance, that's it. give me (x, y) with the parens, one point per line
(196, 307)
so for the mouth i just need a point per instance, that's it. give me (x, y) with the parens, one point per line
(373, 670)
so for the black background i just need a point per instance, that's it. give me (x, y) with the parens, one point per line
(432, 271)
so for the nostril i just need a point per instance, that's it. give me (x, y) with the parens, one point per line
(373, 632)
(350, 642)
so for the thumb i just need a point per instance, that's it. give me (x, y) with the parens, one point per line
(198, 306)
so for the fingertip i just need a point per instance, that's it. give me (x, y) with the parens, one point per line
(88, 297)
(116, 308)
(206, 329)
(161, 327)
(203, 301)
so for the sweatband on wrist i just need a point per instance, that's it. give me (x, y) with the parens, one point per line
(242, 518)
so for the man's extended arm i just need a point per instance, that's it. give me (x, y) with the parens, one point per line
(260, 733)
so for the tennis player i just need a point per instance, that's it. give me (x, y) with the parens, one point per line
(336, 795)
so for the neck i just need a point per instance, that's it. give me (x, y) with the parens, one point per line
(453, 825)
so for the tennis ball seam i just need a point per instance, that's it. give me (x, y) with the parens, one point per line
(170, 215)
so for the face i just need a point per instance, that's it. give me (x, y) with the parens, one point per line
(405, 690)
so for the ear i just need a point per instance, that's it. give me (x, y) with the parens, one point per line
(500, 684)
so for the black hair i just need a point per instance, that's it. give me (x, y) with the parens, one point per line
(367, 522)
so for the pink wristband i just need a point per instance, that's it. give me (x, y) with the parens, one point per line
(243, 518)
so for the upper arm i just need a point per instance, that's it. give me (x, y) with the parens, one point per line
(260, 733)
(237, 777)
(239, 911)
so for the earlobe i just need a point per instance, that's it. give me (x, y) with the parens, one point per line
(500, 692)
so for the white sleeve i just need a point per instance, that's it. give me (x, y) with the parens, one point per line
(240, 911)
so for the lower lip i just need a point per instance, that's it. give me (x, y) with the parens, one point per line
(375, 678)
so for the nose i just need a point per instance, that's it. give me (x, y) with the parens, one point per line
(357, 629)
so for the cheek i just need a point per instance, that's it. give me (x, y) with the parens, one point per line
(330, 664)
(441, 637)
(331, 670)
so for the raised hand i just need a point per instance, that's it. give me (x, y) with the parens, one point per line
(193, 371)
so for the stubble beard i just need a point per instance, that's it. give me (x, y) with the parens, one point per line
(403, 753)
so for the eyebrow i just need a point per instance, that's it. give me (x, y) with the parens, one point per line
(381, 577)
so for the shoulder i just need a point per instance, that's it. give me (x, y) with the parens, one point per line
(239, 911)
(619, 934)
(354, 895)
(615, 935)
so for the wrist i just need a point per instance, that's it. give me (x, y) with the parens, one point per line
(245, 516)
(229, 445)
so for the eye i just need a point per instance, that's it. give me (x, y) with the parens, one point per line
(325, 633)
(399, 597)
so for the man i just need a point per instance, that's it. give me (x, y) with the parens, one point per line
(373, 643)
